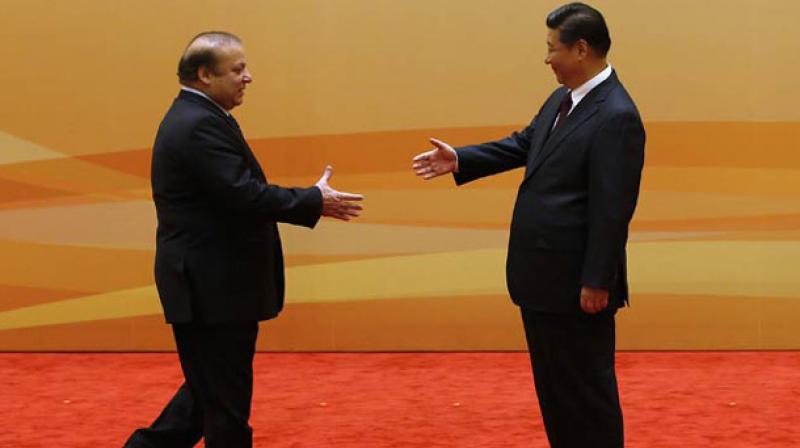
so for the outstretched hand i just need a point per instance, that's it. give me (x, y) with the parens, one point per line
(440, 160)
(337, 204)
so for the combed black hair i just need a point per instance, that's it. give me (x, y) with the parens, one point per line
(575, 21)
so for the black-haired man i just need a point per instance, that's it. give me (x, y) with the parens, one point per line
(566, 268)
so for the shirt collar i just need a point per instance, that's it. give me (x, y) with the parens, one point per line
(198, 92)
(580, 92)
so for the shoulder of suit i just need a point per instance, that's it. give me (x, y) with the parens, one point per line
(186, 122)
(190, 113)
(619, 100)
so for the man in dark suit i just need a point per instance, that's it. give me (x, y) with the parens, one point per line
(219, 265)
(583, 155)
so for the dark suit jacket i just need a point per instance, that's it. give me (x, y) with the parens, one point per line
(581, 184)
(218, 252)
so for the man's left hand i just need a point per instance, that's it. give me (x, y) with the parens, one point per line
(593, 300)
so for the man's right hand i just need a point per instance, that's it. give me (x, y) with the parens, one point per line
(337, 204)
(440, 160)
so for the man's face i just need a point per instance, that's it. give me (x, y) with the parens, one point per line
(226, 83)
(563, 59)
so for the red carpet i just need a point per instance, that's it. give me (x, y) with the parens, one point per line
(696, 399)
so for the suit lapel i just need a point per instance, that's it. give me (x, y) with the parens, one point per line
(248, 153)
(582, 112)
(244, 148)
(548, 117)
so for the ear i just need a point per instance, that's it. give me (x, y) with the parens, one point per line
(582, 48)
(204, 75)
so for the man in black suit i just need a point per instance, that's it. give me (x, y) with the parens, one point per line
(583, 155)
(219, 265)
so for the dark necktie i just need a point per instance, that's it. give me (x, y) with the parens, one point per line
(563, 109)
(233, 121)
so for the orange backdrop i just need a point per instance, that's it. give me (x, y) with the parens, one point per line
(361, 85)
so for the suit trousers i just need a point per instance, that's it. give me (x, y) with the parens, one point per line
(572, 358)
(214, 401)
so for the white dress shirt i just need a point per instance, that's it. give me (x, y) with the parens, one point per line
(581, 91)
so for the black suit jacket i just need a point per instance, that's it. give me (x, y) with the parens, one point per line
(218, 252)
(581, 184)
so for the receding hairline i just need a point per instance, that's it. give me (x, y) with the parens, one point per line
(211, 40)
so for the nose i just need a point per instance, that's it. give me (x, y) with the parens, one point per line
(247, 78)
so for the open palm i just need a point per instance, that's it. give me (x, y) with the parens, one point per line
(440, 160)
